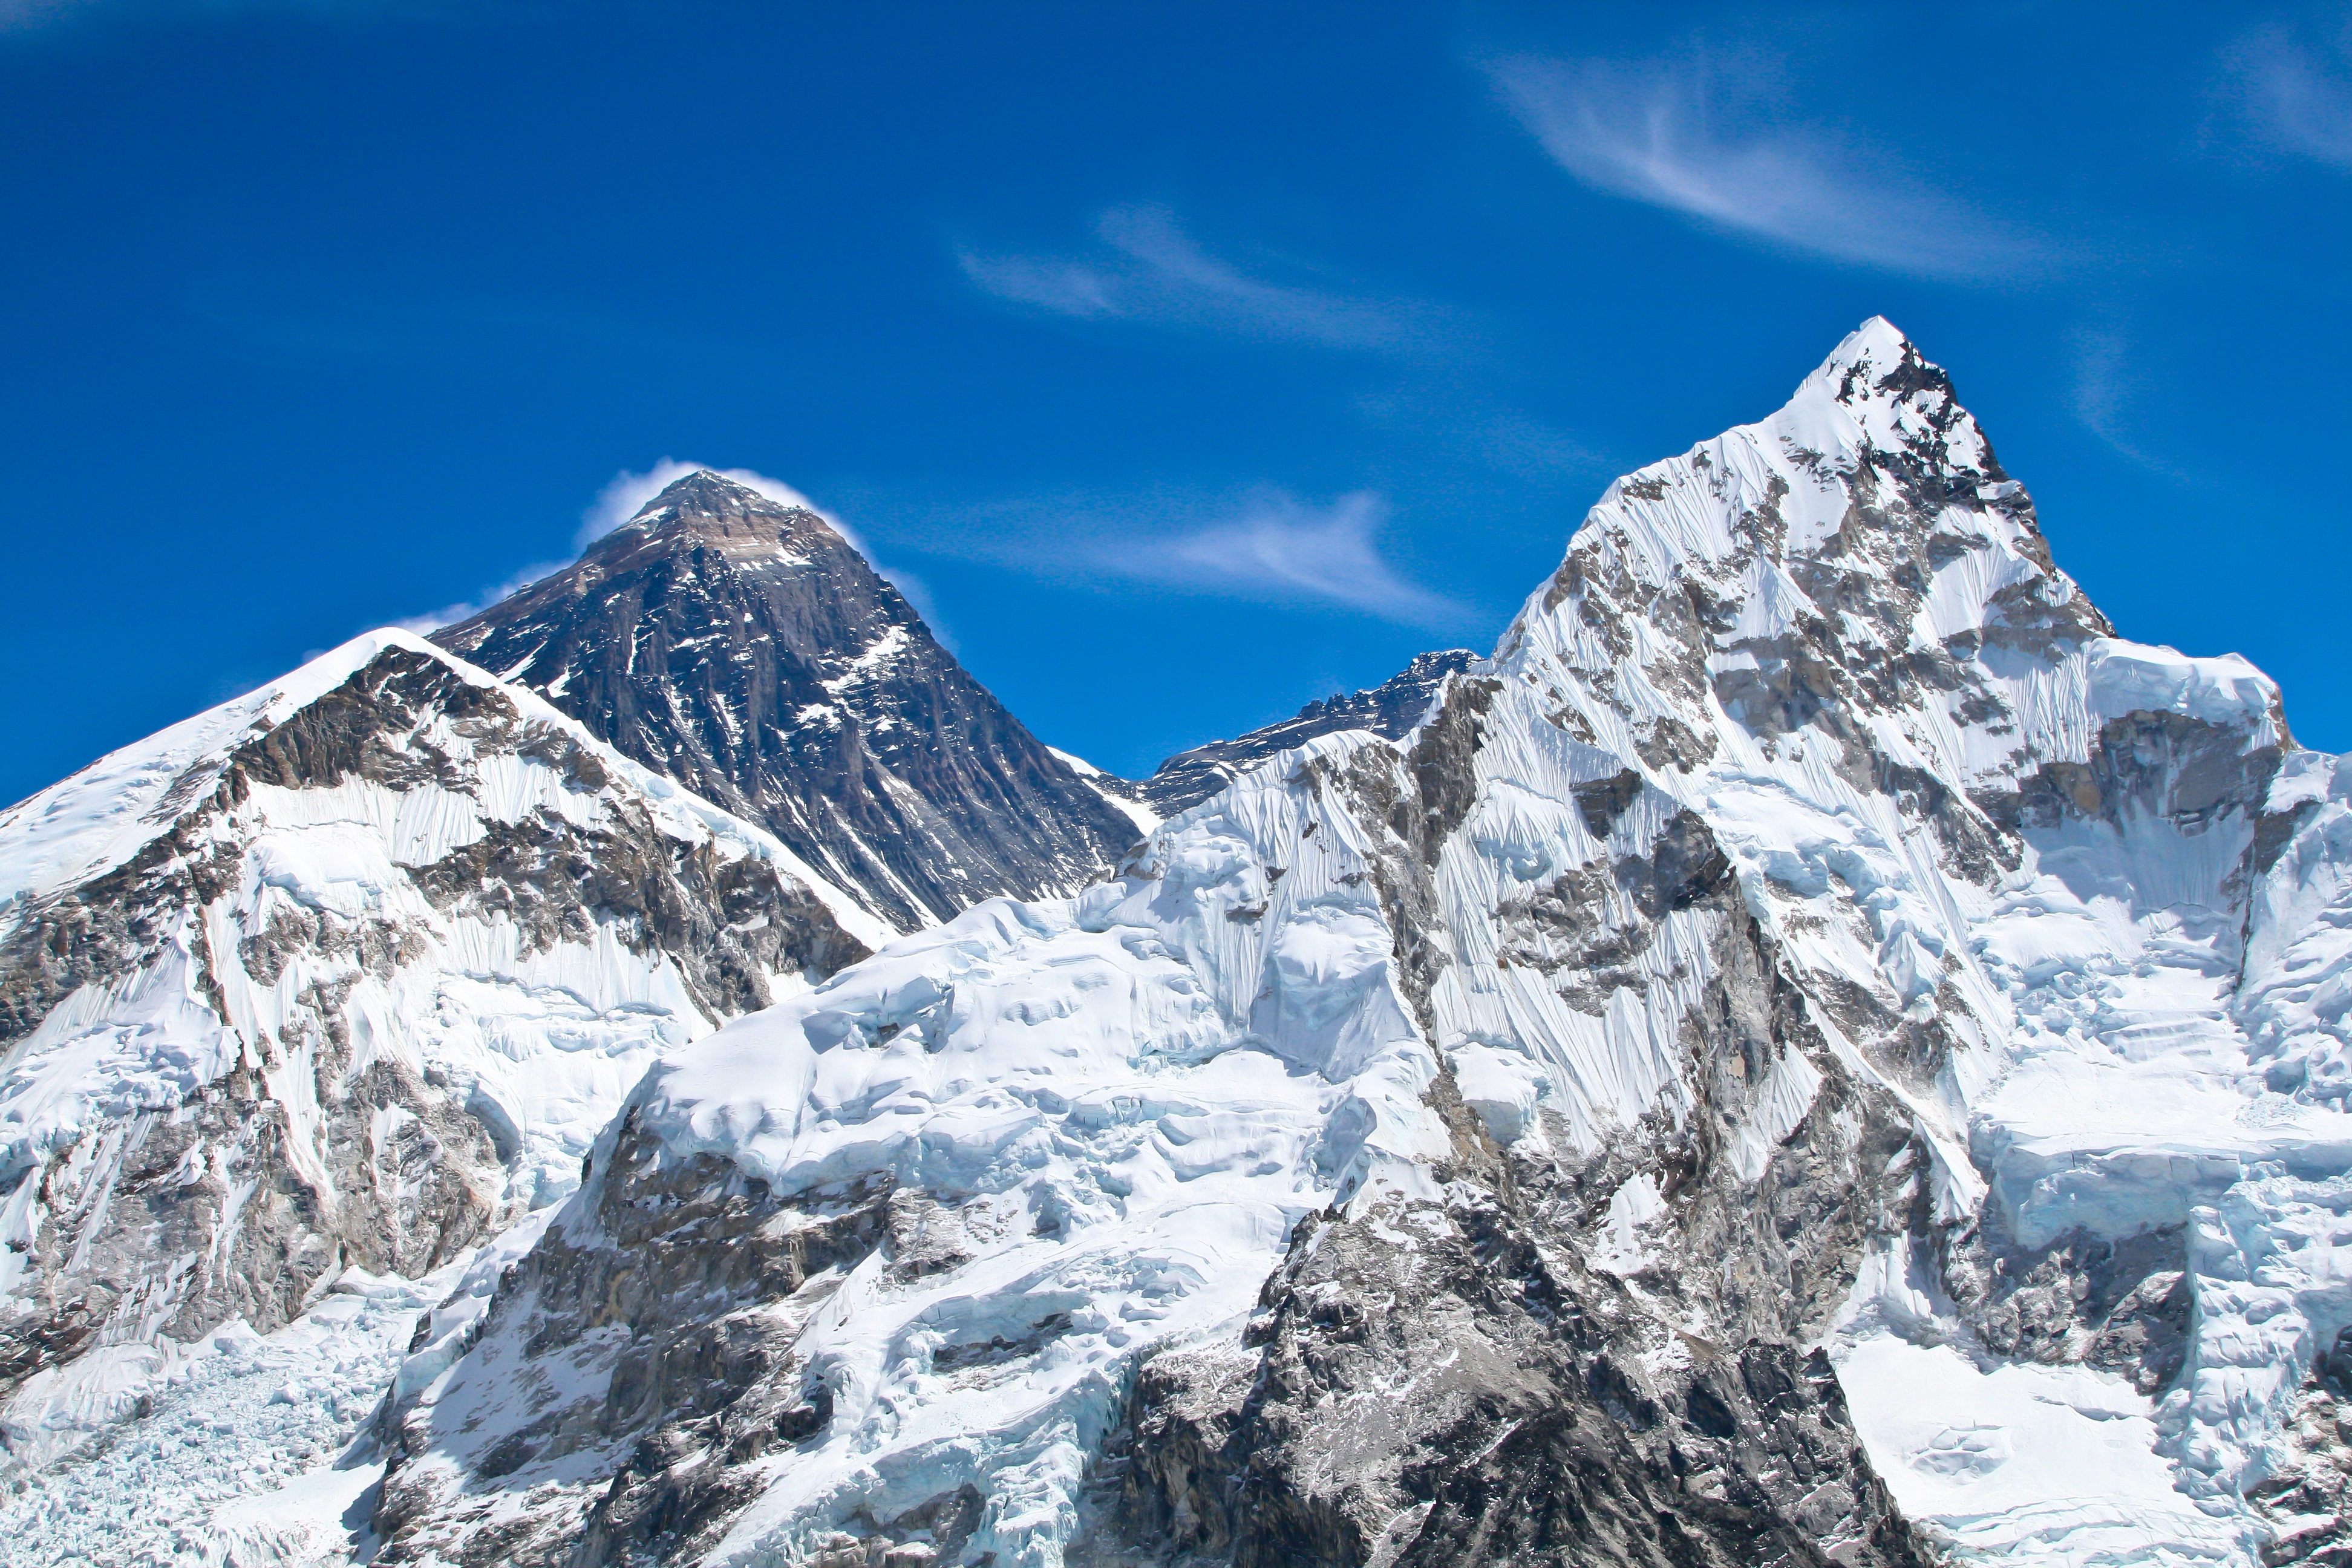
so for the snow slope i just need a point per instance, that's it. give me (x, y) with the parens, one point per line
(327, 980)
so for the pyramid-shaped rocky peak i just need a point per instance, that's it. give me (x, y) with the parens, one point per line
(711, 506)
(1858, 563)
(747, 649)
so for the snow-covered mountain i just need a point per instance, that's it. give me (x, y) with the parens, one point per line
(1390, 709)
(1815, 1051)
(748, 651)
(338, 979)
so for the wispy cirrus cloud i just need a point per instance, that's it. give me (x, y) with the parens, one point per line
(2104, 381)
(2292, 88)
(1146, 267)
(1685, 136)
(1267, 545)
(1280, 548)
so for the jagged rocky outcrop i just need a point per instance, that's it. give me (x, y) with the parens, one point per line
(1486, 1374)
(749, 651)
(1390, 709)
(344, 974)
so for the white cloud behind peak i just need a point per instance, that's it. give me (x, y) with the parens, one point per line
(627, 493)
(1685, 136)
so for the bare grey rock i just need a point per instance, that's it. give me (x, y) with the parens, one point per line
(1388, 710)
(746, 649)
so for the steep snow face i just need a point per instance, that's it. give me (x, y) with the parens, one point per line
(346, 972)
(1010, 1157)
(2068, 896)
(747, 649)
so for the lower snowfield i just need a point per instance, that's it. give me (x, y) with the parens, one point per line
(232, 1453)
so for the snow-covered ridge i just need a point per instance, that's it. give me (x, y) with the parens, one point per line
(98, 818)
(345, 972)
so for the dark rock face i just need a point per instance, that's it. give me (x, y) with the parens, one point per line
(678, 1291)
(747, 650)
(2308, 1498)
(1388, 710)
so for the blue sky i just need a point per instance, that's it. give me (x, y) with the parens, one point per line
(1188, 361)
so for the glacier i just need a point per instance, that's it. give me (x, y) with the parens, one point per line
(1814, 1051)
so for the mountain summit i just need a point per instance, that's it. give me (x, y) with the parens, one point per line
(747, 649)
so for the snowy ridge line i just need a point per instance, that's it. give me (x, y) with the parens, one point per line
(2083, 990)
(96, 819)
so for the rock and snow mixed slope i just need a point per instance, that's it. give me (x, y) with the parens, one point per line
(747, 649)
(1816, 1050)
(334, 981)
(1391, 709)
(868, 1276)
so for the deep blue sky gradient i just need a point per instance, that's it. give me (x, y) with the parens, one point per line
(321, 316)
